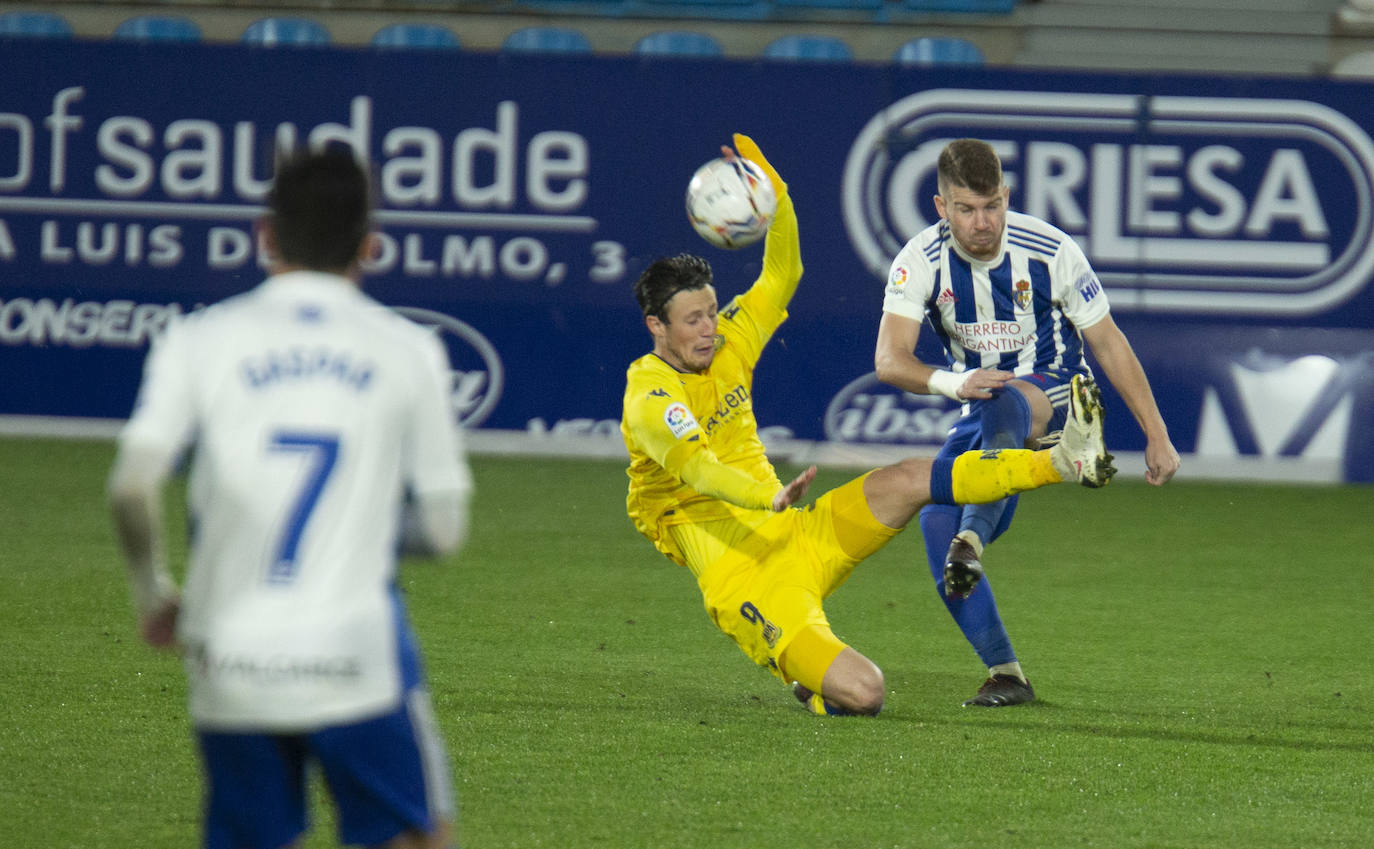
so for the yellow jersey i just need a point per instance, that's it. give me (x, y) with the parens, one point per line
(695, 453)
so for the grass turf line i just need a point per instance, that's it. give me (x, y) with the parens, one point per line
(1200, 652)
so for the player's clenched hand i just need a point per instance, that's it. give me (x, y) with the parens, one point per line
(1161, 462)
(794, 491)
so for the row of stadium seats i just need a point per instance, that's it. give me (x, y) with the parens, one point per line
(761, 8)
(302, 32)
(168, 27)
(928, 50)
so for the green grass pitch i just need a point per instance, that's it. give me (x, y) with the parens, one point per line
(1202, 652)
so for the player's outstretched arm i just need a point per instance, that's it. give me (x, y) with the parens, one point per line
(1121, 366)
(782, 263)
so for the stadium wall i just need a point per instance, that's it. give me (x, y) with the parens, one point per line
(1231, 222)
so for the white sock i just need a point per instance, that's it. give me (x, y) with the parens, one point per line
(971, 537)
(1013, 668)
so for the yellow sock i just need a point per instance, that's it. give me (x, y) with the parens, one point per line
(809, 655)
(980, 477)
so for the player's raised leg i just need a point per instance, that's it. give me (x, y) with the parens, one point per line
(830, 677)
(896, 492)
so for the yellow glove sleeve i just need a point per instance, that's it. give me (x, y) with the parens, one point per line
(747, 148)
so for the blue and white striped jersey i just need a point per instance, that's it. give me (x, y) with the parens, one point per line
(1021, 312)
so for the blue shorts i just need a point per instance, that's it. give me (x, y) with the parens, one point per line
(387, 775)
(965, 436)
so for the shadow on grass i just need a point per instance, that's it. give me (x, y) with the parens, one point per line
(985, 717)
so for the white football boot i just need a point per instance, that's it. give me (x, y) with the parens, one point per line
(1081, 453)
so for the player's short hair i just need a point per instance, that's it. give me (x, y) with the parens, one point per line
(320, 207)
(969, 164)
(665, 278)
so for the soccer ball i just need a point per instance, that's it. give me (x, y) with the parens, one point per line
(731, 202)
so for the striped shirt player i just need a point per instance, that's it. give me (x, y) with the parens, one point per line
(322, 435)
(1015, 305)
(1021, 313)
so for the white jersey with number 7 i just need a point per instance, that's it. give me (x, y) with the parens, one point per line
(312, 410)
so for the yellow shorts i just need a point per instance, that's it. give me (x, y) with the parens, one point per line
(763, 578)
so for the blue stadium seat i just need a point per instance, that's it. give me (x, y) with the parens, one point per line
(157, 28)
(34, 25)
(286, 32)
(1001, 7)
(1356, 65)
(679, 43)
(823, 48)
(939, 51)
(425, 36)
(852, 5)
(547, 40)
(597, 8)
(699, 3)
(749, 10)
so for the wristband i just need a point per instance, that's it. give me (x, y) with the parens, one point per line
(946, 383)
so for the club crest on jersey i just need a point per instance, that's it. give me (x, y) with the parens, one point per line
(679, 419)
(1023, 294)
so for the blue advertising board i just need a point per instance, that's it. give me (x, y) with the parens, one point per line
(1231, 221)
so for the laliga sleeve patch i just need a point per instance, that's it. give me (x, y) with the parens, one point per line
(679, 419)
(896, 280)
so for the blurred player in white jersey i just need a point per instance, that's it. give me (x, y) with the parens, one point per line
(1012, 299)
(323, 441)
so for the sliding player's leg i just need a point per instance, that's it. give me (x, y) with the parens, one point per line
(766, 593)
(831, 678)
(896, 492)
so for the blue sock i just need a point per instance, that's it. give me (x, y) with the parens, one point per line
(942, 480)
(976, 615)
(1004, 422)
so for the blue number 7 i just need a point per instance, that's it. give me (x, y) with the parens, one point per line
(323, 451)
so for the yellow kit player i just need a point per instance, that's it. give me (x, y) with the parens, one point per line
(703, 491)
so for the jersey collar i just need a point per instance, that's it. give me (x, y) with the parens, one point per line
(314, 283)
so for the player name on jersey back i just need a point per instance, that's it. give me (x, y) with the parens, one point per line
(305, 363)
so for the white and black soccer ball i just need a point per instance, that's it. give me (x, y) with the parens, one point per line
(731, 202)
